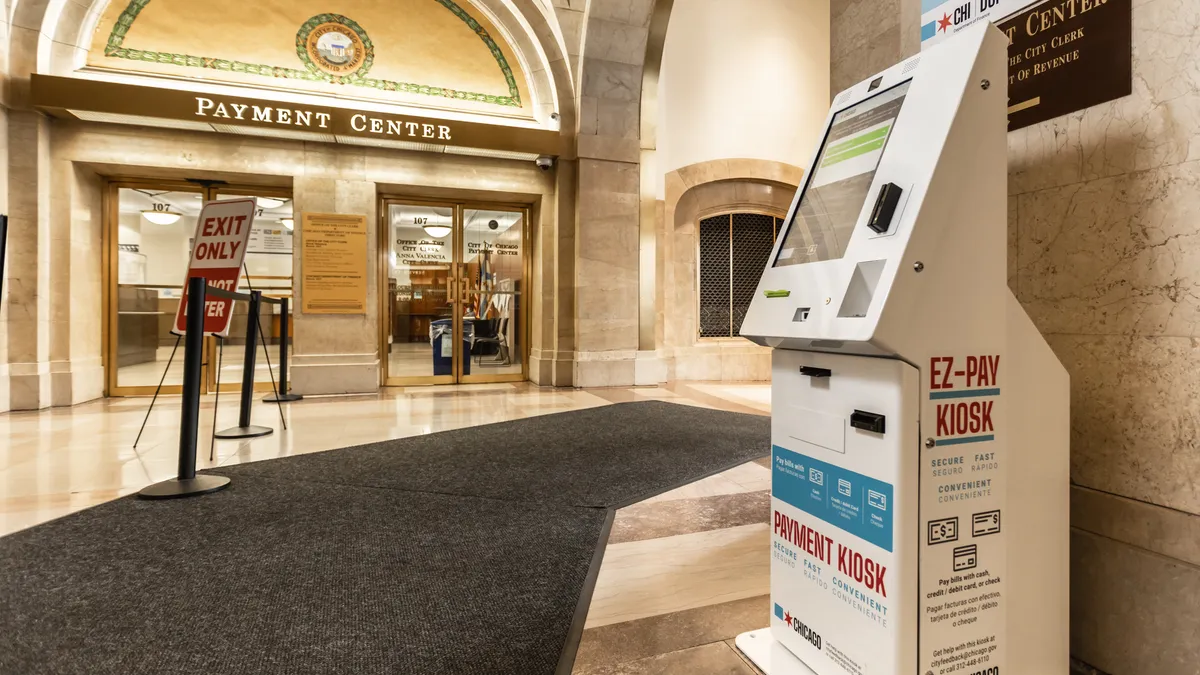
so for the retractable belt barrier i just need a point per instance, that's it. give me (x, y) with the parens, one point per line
(187, 483)
(244, 429)
(283, 395)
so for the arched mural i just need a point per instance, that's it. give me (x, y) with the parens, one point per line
(438, 53)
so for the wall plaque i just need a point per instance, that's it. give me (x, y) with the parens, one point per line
(333, 264)
(1067, 55)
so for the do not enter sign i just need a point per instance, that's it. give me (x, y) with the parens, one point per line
(218, 248)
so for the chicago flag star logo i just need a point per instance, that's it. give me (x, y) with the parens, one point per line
(944, 22)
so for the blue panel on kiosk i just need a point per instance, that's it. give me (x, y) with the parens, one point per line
(850, 501)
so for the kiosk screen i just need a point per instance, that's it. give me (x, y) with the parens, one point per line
(833, 200)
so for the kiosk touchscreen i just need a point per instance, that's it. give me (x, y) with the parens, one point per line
(919, 421)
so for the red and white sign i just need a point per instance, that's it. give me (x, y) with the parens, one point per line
(222, 232)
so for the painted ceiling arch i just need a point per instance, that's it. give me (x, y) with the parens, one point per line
(433, 53)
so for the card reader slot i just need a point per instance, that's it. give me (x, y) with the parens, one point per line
(885, 208)
(813, 371)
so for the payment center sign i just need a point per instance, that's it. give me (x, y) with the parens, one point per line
(218, 249)
(831, 564)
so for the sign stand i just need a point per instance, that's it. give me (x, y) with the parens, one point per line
(244, 429)
(187, 483)
(157, 389)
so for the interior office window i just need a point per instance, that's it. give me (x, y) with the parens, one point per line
(734, 249)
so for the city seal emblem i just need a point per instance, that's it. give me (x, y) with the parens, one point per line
(334, 45)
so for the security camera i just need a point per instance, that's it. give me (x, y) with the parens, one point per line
(545, 163)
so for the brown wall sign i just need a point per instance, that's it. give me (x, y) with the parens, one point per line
(62, 95)
(1067, 55)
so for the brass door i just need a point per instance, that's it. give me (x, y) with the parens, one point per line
(453, 284)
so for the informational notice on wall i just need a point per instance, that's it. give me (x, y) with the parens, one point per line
(270, 237)
(333, 264)
(1067, 55)
(218, 249)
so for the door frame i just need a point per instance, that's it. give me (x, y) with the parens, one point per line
(457, 267)
(109, 333)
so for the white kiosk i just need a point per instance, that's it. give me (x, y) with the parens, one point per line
(919, 421)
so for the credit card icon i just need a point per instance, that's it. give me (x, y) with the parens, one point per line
(966, 557)
(844, 486)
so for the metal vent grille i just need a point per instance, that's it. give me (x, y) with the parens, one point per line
(714, 277)
(910, 66)
(753, 238)
(842, 97)
(734, 249)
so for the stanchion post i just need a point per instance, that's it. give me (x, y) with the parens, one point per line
(283, 395)
(244, 429)
(187, 483)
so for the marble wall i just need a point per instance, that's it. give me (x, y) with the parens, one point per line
(1105, 256)
(608, 204)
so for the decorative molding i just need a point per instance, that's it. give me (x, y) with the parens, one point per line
(116, 49)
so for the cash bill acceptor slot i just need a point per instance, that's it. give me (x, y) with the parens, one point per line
(919, 420)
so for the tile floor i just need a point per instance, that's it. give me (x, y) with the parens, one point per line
(682, 575)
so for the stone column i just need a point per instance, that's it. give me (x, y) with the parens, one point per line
(76, 285)
(332, 353)
(28, 283)
(608, 207)
(551, 359)
(6, 269)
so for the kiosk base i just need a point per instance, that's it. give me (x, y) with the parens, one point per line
(769, 655)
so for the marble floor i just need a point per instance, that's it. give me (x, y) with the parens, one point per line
(683, 572)
(415, 359)
(150, 373)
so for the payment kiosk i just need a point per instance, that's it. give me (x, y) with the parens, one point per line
(919, 421)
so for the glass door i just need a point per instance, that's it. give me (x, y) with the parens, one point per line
(454, 292)
(492, 300)
(419, 293)
(148, 233)
(267, 268)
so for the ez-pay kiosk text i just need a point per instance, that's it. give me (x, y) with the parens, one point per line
(919, 421)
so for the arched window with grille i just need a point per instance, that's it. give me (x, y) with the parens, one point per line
(734, 249)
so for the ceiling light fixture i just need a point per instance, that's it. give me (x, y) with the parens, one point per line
(437, 231)
(289, 223)
(270, 202)
(163, 216)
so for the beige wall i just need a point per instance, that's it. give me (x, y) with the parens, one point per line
(745, 79)
(1103, 255)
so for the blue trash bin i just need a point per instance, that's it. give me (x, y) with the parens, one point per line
(441, 340)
